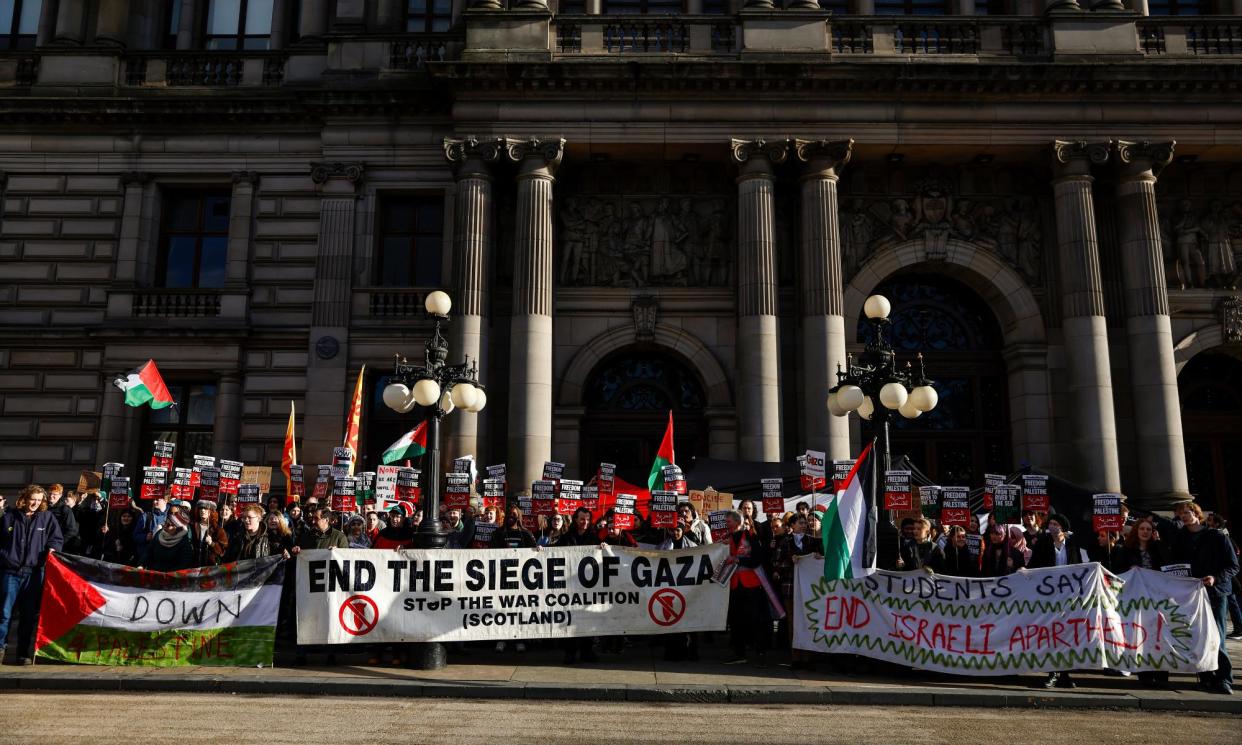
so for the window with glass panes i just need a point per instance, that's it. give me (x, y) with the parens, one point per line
(239, 24)
(642, 7)
(411, 234)
(188, 424)
(194, 240)
(428, 15)
(912, 7)
(1176, 7)
(19, 23)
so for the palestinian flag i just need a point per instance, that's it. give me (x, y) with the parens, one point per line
(145, 385)
(664, 457)
(411, 445)
(97, 613)
(849, 523)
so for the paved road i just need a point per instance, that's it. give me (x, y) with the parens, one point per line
(199, 719)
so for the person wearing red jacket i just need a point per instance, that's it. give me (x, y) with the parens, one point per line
(398, 534)
(749, 622)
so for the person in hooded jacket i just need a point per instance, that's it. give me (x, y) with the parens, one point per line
(999, 557)
(693, 524)
(251, 541)
(172, 548)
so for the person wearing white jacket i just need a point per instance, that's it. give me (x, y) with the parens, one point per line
(693, 525)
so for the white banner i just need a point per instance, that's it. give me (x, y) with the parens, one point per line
(365, 596)
(1076, 617)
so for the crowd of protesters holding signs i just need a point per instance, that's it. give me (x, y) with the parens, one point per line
(199, 520)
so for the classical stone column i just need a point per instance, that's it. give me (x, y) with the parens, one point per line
(328, 366)
(69, 21)
(134, 184)
(314, 20)
(1086, 329)
(758, 348)
(112, 22)
(820, 284)
(110, 445)
(280, 24)
(530, 335)
(47, 25)
(185, 24)
(241, 215)
(472, 238)
(1153, 375)
(226, 435)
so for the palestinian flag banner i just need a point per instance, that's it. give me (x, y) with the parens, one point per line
(411, 445)
(849, 524)
(144, 384)
(96, 613)
(664, 456)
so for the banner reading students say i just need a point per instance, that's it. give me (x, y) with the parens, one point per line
(1077, 617)
(358, 597)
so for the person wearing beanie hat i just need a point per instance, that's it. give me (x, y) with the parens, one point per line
(173, 549)
(398, 534)
(1053, 549)
(208, 538)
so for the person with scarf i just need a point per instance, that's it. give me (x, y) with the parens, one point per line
(1000, 558)
(1053, 549)
(693, 524)
(958, 560)
(210, 540)
(356, 532)
(1017, 541)
(251, 541)
(917, 549)
(749, 621)
(172, 549)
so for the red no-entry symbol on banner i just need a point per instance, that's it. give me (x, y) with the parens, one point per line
(358, 615)
(666, 607)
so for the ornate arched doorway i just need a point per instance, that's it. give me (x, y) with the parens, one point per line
(1210, 388)
(627, 398)
(967, 434)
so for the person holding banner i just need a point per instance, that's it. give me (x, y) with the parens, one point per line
(1143, 546)
(580, 533)
(320, 533)
(118, 545)
(551, 529)
(512, 534)
(356, 532)
(397, 534)
(459, 529)
(28, 533)
(1052, 548)
(917, 549)
(1109, 551)
(172, 550)
(958, 560)
(1212, 560)
(750, 625)
(1000, 558)
(251, 541)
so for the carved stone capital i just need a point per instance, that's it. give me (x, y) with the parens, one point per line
(469, 147)
(321, 173)
(824, 157)
(1069, 150)
(776, 151)
(536, 156)
(135, 178)
(248, 177)
(1136, 158)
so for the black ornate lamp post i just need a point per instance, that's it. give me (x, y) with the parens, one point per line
(441, 387)
(875, 385)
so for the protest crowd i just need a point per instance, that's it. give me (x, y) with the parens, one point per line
(170, 534)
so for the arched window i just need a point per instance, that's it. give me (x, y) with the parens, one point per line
(1210, 388)
(967, 434)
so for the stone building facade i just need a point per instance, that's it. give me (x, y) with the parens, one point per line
(636, 206)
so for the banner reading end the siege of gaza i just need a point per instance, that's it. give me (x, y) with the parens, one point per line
(1077, 617)
(356, 596)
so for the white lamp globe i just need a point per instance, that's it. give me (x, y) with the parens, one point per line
(909, 412)
(924, 398)
(867, 408)
(396, 395)
(480, 400)
(893, 395)
(834, 407)
(426, 392)
(463, 395)
(438, 303)
(446, 403)
(849, 397)
(877, 307)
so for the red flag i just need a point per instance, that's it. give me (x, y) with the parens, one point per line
(355, 420)
(290, 455)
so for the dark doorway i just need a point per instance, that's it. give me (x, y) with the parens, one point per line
(628, 397)
(967, 434)
(1210, 388)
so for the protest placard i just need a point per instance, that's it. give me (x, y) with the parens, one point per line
(929, 501)
(841, 474)
(814, 471)
(1035, 493)
(718, 521)
(955, 506)
(897, 494)
(623, 511)
(543, 497)
(108, 471)
(209, 483)
(181, 488)
(344, 493)
(990, 482)
(483, 533)
(527, 505)
(386, 483)
(118, 494)
(974, 546)
(230, 475)
(201, 462)
(552, 471)
(569, 497)
(366, 489)
(248, 493)
(407, 487)
(323, 474)
(154, 483)
(261, 475)
(773, 494)
(590, 497)
(89, 481)
(664, 508)
(162, 454)
(342, 462)
(1005, 500)
(494, 493)
(674, 479)
(457, 490)
(607, 481)
(1106, 512)
(297, 484)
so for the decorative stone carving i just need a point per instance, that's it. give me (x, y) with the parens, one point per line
(458, 151)
(1096, 152)
(1202, 243)
(1231, 319)
(643, 241)
(249, 177)
(322, 172)
(646, 310)
(835, 153)
(776, 151)
(1008, 225)
(551, 151)
(1154, 155)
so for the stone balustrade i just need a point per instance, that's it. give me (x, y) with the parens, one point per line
(596, 34)
(176, 304)
(204, 69)
(1194, 36)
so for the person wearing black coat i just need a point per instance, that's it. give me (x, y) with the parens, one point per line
(917, 549)
(1000, 558)
(1053, 548)
(251, 542)
(119, 545)
(1109, 552)
(1211, 558)
(512, 534)
(90, 515)
(1143, 545)
(958, 560)
(171, 549)
(63, 512)
(580, 533)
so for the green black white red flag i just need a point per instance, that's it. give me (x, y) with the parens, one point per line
(849, 523)
(664, 457)
(98, 613)
(144, 384)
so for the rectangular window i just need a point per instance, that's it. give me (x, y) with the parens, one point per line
(411, 235)
(912, 7)
(173, 12)
(428, 15)
(1176, 7)
(642, 7)
(194, 239)
(188, 424)
(239, 24)
(19, 23)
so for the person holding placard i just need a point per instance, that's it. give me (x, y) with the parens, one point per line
(118, 545)
(749, 622)
(1212, 560)
(580, 533)
(151, 522)
(398, 534)
(1109, 551)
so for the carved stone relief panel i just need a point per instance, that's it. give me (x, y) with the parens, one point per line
(1201, 227)
(997, 210)
(645, 225)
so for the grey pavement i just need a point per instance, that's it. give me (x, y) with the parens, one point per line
(639, 674)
